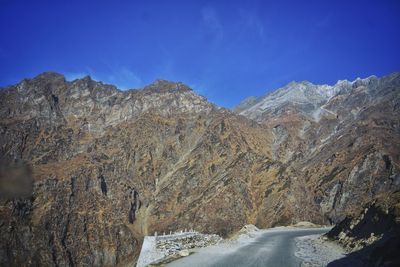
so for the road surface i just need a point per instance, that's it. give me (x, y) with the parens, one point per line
(271, 249)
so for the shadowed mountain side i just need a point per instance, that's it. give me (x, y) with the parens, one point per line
(372, 236)
(384, 252)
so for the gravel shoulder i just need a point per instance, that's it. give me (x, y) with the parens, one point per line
(315, 251)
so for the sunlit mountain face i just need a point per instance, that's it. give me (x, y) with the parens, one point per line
(102, 168)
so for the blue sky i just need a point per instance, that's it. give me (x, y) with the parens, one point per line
(225, 50)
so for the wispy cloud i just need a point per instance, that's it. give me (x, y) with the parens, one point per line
(253, 22)
(166, 67)
(70, 76)
(122, 77)
(213, 25)
(73, 75)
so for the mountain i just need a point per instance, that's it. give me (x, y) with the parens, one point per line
(342, 139)
(108, 167)
(101, 168)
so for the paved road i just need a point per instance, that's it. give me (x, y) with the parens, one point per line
(272, 249)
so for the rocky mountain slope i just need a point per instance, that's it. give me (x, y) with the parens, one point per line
(343, 140)
(101, 167)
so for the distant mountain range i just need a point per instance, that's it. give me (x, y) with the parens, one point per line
(102, 167)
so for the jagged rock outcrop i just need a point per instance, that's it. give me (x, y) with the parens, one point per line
(372, 236)
(103, 167)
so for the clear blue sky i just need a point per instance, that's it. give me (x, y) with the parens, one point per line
(225, 50)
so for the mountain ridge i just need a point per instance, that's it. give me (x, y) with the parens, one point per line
(301, 85)
(124, 164)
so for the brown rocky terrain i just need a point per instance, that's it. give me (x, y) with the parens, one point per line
(343, 140)
(101, 167)
(372, 236)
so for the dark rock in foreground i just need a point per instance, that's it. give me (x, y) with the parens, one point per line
(372, 237)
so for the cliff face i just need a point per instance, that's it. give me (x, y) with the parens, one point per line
(100, 167)
(342, 140)
(372, 236)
